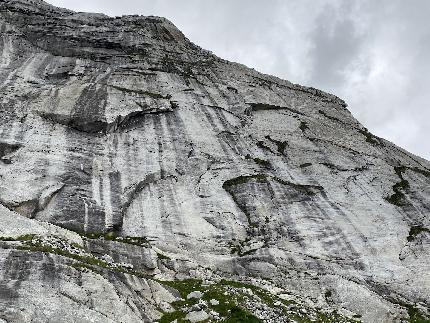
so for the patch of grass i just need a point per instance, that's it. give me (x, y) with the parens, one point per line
(97, 235)
(238, 315)
(137, 241)
(398, 198)
(400, 170)
(26, 237)
(415, 316)
(231, 297)
(269, 299)
(416, 230)
(228, 307)
(111, 236)
(184, 287)
(303, 126)
(265, 296)
(88, 261)
(179, 316)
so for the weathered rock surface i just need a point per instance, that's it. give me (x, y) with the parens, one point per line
(131, 159)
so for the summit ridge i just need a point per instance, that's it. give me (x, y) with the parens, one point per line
(144, 179)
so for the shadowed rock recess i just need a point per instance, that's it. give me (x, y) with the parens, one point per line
(143, 179)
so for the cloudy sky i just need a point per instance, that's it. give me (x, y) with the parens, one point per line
(373, 54)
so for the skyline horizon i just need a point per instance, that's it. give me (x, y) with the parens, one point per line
(376, 103)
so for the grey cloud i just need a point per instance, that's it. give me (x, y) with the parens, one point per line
(373, 54)
(336, 44)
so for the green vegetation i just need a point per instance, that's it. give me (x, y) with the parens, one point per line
(111, 236)
(415, 316)
(184, 287)
(398, 198)
(416, 230)
(232, 297)
(228, 307)
(179, 316)
(84, 260)
(26, 237)
(137, 241)
(303, 126)
(88, 260)
(238, 315)
(262, 294)
(371, 138)
(98, 235)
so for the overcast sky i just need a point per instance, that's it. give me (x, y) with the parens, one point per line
(373, 54)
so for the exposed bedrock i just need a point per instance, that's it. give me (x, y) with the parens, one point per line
(132, 160)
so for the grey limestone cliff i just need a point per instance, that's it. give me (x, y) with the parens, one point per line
(144, 179)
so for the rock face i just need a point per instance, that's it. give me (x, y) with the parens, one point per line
(137, 168)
